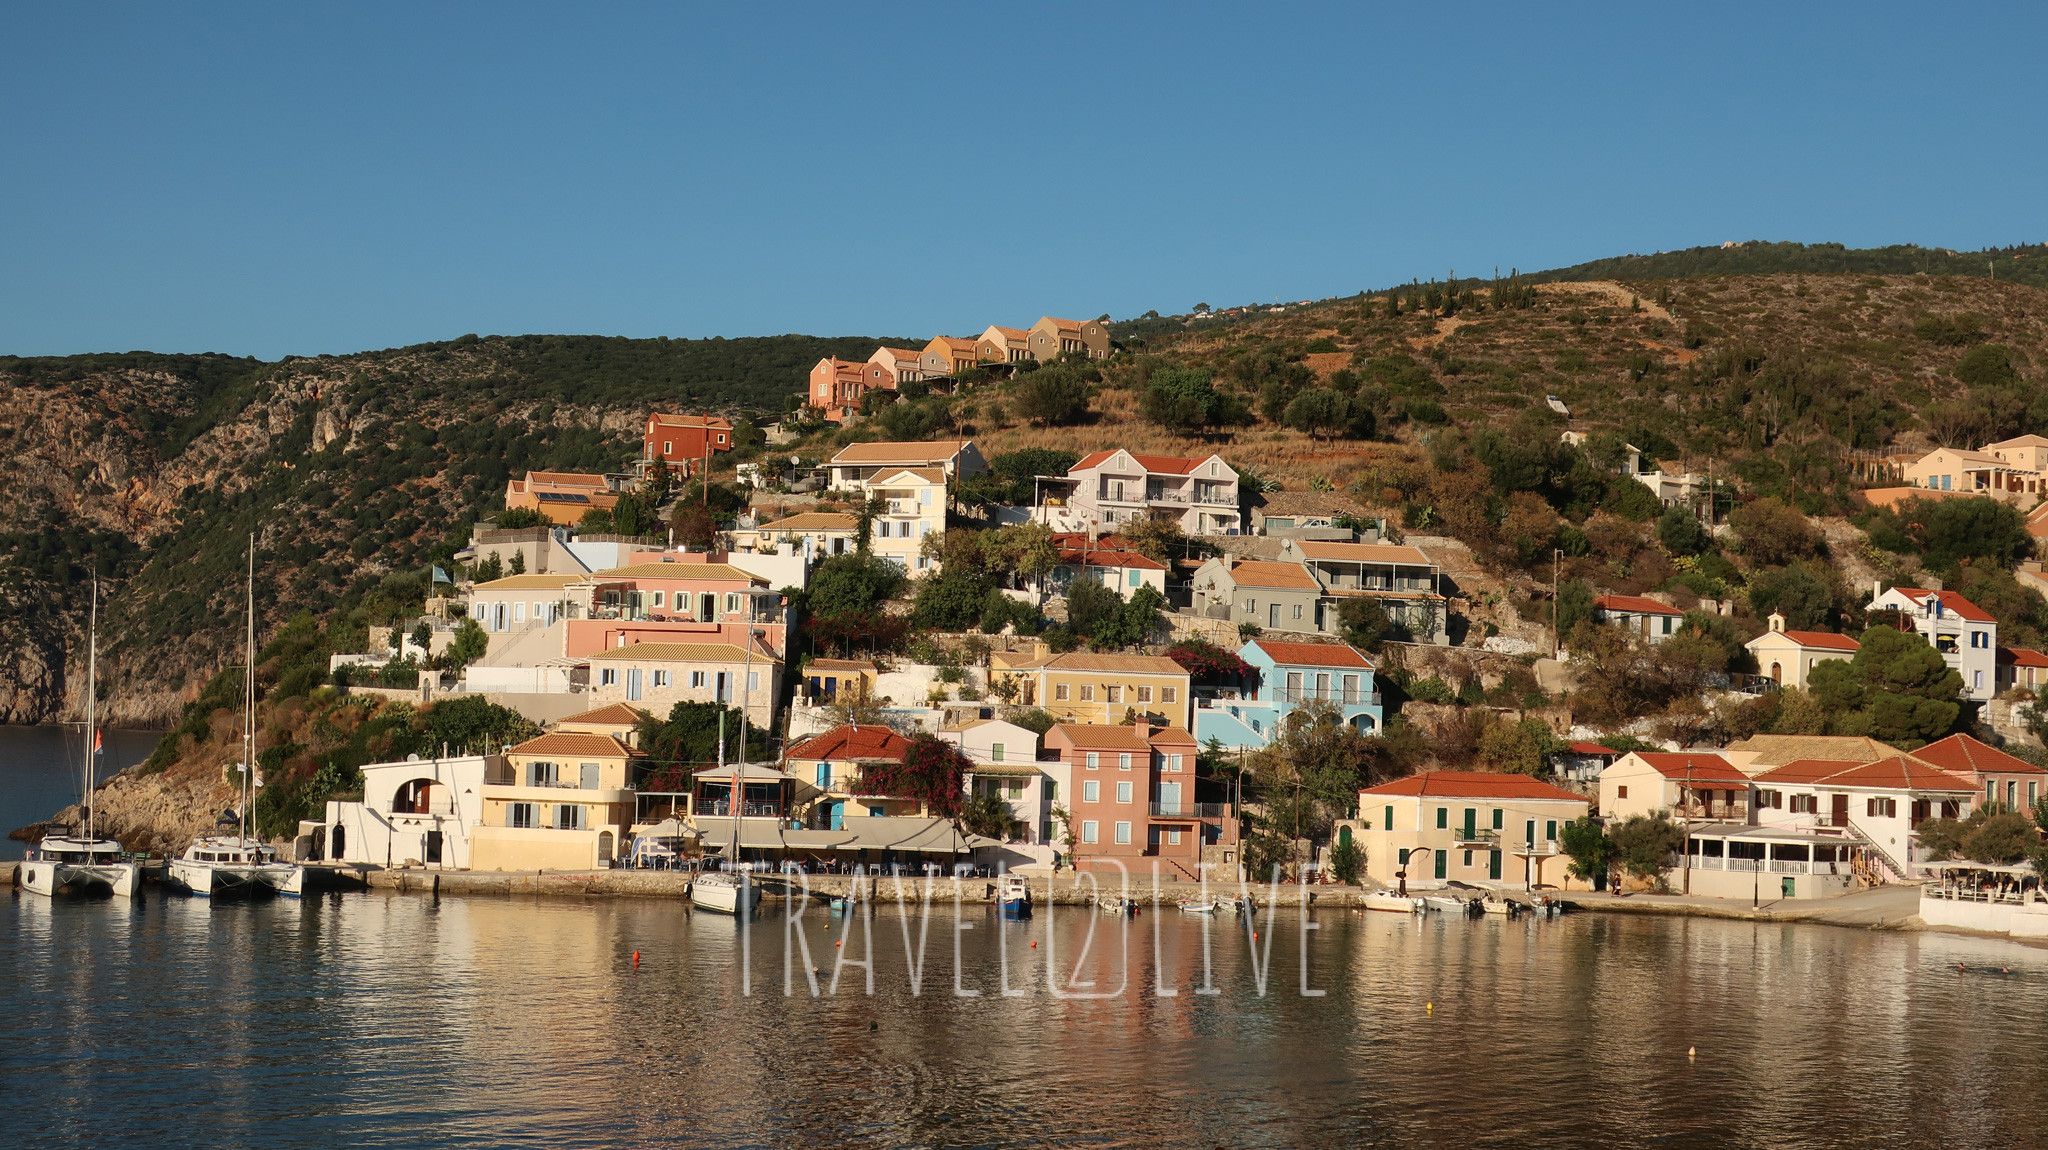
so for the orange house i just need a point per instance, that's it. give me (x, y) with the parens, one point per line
(1132, 799)
(838, 385)
(562, 496)
(682, 441)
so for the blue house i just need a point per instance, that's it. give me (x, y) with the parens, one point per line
(1285, 675)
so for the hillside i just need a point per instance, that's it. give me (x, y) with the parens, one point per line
(356, 471)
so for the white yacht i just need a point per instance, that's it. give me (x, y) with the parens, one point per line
(84, 863)
(723, 892)
(222, 866)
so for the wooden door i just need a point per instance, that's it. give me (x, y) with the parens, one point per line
(1840, 815)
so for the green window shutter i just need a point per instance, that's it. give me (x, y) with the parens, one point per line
(1390, 818)
(1443, 818)
(1550, 829)
(1497, 815)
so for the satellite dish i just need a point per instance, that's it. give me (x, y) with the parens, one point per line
(413, 758)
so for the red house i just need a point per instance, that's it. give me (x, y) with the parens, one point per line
(1131, 791)
(683, 441)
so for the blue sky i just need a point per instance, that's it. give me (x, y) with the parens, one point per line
(284, 178)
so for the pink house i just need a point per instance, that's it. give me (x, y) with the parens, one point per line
(679, 598)
(1132, 799)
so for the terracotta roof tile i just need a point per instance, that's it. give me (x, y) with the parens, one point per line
(1115, 664)
(572, 743)
(1634, 605)
(1313, 654)
(616, 714)
(1276, 576)
(852, 741)
(1690, 767)
(1962, 754)
(910, 454)
(1950, 602)
(1363, 552)
(1475, 785)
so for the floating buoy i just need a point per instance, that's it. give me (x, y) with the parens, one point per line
(1034, 944)
(1692, 1052)
(838, 942)
(636, 960)
(1429, 1008)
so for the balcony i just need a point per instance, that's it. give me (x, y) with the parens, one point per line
(1469, 838)
(1329, 695)
(748, 810)
(1540, 849)
(1189, 810)
(1162, 496)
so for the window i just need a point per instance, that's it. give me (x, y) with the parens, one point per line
(1089, 831)
(1621, 792)
(1059, 692)
(609, 677)
(1168, 694)
(1123, 792)
(1094, 759)
(697, 678)
(1144, 694)
(661, 678)
(753, 680)
(1123, 761)
(568, 817)
(995, 752)
(668, 447)
(732, 603)
(1881, 808)
(1550, 830)
(1087, 692)
(1443, 818)
(1173, 762)
(1387, 822)
(1802, 804)
(542, 774)
(1297, 612)
(1091, 791)
(659, 597)
(1173, 838)
(519, 815)
(1115, 694)
(1123, 832)
(1497, 818)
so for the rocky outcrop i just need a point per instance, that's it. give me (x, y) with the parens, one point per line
(160, 812)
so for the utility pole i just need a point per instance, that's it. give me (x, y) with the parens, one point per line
(1556, 554)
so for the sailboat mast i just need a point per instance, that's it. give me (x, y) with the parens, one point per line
(92, 653)
(249, 701)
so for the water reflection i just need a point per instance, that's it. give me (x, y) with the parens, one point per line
(387, 1020)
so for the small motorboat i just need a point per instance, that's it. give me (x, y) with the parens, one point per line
(1492, 903)
(1013, 894)
(725, 892)
(1389, 901)
(1117, 905)
(1449, 904)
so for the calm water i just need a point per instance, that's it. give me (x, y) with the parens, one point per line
(393, 1020)
(39, 772)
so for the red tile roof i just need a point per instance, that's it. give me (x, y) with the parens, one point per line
(1897, 773)
(1963, 755)
(1950, 602)
(1825, 639)
(1110, 558)
(1687, 767)
(1634, 604)
(1277, 576)
(1162, 464)
(615, 714)
(1097, 737)
(2022, 657)
(1474, 785)
(853, 741)
(1584, 748)
(1313, 654)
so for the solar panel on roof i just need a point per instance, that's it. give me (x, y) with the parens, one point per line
(561, 497)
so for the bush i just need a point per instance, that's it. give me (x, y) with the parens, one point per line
(1347, 861)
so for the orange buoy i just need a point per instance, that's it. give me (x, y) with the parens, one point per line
(636, 960)
(1034, 944)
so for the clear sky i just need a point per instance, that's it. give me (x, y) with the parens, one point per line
(304, 178)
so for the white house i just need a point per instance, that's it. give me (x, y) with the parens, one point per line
(1199, 495)
(1964, 633)
(1005, 758)
(419, 812)
(1880, 804)
(1788, 657)
(1647, 617)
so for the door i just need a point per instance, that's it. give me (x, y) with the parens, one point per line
(1442, 859)
(707, 607)
(433, 848)
(633, 684)
(1493, 865)
(1169, 797)
(838, 821)
(1788, 886)
(587, 778)
(724, 688)
(1529, 833)
(1471, 823)
(1273, 615)
(604, 848)
(1839, 814)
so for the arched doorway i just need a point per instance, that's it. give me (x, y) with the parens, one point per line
(1343, 836)
(1778, 674)
(604, 848)
(413, 797)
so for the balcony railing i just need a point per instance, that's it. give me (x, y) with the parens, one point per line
(1185, 810)
(1481, 837)
(748, 810)
(1329, 695)
(508, 778)
(1542, 848)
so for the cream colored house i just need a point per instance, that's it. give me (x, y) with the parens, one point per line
(1051, 338)
(1787, 657)
(528, 602)
(1683, 785)
(857, 463)
(657, 676)
(1083, 687)
(561, 801)
(902, 362)
(999, 344)
(911, 508)
(818, 534)
(946, 356)
(1987, 472)
(1470, 826)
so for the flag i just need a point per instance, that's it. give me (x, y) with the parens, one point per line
(99, 742)
(441, 576)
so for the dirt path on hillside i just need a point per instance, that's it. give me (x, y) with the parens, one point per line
(1613, 293)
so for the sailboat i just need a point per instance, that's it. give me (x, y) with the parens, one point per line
(221, 866)
(84, 863)
(729, 891)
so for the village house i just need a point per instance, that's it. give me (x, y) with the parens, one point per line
(656, 676)
(1052, 338)
(1683, 785)
(1965, 634)
(1580, 763)
(1104, 561)
(1639, 614)
(1006, 766)
(1880, 804)
(838, 680)
(2014, 470)
(947, 356)
(561, 497)
(561, 801)
(818, 535)
(1788, 657)
(1131, 799)
(2009, 781)
(420, 812)
(1285, 676)
(998, 344)
(519, 603)
(1403, 580)
(910, 507)
(2022, 669)
(1469, 826)
(683, 442)
(1198, 495)
(838, 386)
(1304, 515)
(1272, 595)
(857, 464)
(1083, 687)
(834, 763)
(900, 362)
(679, 598)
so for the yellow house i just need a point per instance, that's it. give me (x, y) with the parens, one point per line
(1081, 687)
(1788, 657)
(657, 676)
(911, 506)
(560, 801)
(1471, 826)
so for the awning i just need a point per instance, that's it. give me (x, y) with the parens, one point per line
(755, 834)
(666, 829)
(918, 835)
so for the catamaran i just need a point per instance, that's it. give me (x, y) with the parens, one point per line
(84, 863)
(222, 866)
(729, 891)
